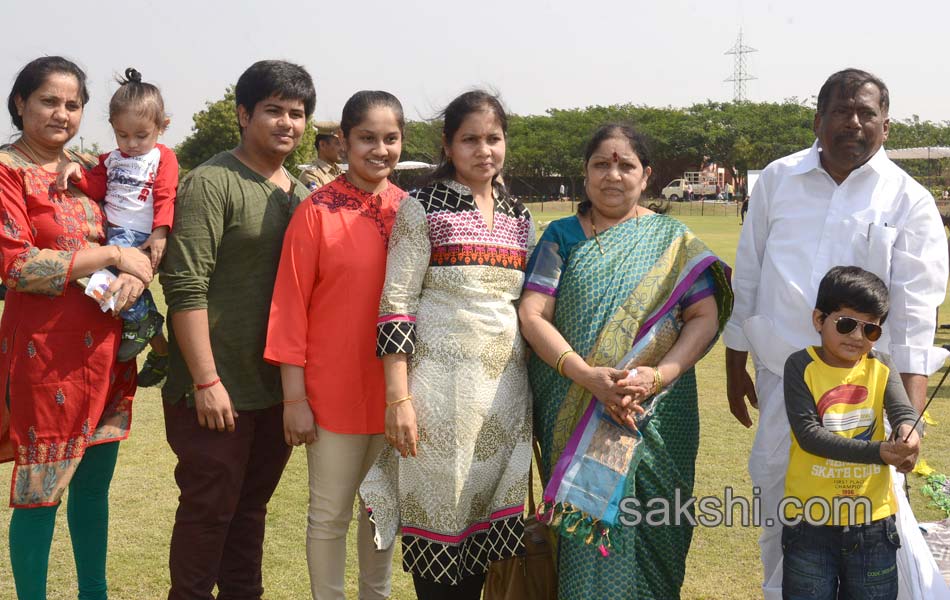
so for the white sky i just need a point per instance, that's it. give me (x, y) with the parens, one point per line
(537, 54)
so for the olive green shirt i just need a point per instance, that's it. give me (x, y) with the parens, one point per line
(222, 256)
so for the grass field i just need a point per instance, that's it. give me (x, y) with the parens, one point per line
(722, 563)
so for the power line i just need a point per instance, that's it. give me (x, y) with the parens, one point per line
(740, 71)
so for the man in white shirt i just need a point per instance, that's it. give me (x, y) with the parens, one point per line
(840, 202)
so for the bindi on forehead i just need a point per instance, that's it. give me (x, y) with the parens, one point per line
(614, 156)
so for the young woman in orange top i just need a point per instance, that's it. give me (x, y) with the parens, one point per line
(322, 333)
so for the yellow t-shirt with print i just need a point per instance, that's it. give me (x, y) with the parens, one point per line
(849, 402)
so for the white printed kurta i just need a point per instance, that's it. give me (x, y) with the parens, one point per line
(448, 303)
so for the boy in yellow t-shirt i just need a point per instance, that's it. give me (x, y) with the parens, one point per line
(838, 490)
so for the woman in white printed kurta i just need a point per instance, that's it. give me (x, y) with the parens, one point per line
(448, 303)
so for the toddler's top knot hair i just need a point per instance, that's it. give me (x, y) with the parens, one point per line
(144, 99)
(132, 76)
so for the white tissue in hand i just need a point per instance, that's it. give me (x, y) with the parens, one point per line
(99, 282)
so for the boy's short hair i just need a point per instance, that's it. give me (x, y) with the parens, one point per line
(854, 288)
(279, 78)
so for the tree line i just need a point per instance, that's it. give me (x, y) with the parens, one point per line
(743, 135)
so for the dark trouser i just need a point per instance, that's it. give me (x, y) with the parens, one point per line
(469, 588)
(829, 562)
(226, 480)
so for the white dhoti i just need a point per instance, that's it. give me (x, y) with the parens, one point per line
(920, 579)
(767, 464)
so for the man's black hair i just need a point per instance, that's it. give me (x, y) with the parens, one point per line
(322, 137)
(279, 78)
(854, 288)
(848, 82)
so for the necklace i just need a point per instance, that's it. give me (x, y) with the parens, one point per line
(594, 227)
(31, 154)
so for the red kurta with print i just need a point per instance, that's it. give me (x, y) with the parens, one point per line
(57, 349)
(326, 300)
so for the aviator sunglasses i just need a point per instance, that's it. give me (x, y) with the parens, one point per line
(845, 325)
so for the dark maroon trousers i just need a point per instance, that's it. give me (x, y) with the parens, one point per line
(226, 480)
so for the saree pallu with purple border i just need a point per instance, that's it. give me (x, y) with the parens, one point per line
(622, 309)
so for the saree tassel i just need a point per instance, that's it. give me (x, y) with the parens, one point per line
(593, 529)
(586, 528)
(541, 513)
(572, 522)
(604, 542)
(558, 512)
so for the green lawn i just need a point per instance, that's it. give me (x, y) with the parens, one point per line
(722, 563)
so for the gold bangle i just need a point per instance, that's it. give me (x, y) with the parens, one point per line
(400, 401)
(118, 261)
(297, 401)
(559, 365)
(657, 380)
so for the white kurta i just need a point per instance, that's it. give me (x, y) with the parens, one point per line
(449, 304)
(800, 224)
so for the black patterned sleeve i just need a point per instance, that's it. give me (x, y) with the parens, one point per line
(406, 264)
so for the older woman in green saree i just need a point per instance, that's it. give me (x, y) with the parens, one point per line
(619, 304)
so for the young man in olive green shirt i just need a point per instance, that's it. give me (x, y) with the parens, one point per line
(223, 411)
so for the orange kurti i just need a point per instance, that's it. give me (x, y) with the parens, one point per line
(326, 302)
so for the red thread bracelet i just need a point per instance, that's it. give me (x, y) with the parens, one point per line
(204, 386)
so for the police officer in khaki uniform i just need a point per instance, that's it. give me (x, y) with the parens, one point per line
(326, 167)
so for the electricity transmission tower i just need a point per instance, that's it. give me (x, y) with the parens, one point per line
(740, 71)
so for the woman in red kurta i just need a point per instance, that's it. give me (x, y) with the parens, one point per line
(66, 397)
(322, 332)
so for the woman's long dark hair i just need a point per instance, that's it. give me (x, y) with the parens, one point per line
(610, 131)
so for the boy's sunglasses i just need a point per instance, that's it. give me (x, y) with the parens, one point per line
(845, 325)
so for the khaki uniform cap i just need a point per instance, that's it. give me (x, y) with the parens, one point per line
(326, 127)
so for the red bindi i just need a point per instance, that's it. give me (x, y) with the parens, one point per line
(616, 157)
